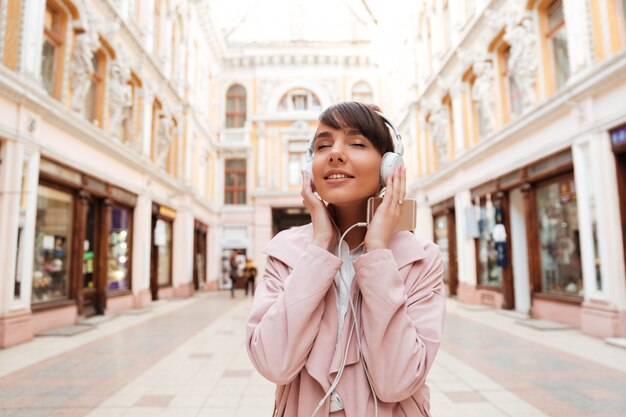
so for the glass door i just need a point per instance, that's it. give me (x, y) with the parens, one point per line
(90, 285)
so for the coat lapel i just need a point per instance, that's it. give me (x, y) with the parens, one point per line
(320, 364)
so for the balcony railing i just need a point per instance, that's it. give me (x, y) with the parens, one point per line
(234, 137)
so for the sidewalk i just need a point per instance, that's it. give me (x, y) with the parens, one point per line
(187, 358)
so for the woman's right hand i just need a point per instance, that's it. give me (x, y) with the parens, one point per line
(324, 233)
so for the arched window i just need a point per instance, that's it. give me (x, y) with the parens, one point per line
(362, 92)
(236, 106)
(299, 99)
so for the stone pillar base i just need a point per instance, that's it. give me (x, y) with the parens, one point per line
(602, 320)
(142, 299)
(184, 290)
(120, 303)
(211, 286)
(15, 328)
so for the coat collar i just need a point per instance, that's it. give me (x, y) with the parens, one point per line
(289, 245)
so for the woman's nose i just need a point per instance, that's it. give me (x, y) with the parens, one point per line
(336, 155)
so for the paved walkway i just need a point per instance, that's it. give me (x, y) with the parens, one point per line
(186, 358)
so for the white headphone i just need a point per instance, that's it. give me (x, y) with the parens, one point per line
(389, 163)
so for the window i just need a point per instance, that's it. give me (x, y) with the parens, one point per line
(557, 43)
(94, 100)
(163, 242)
(362, 92)
(491, 253)
(11, 33)
(512, 92)
(297, 160)
(53, 243)
(559, 245)
(442, 240)
(299, 100)
(235, 181)
(51, 56)
(119, 253)
(236, 106)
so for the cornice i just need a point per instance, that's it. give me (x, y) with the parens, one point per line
(12, 86)
(582, 86)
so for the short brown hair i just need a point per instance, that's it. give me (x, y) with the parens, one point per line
(362, 117)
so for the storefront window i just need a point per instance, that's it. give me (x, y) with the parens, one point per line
(119, 250)
(163, 241)
(491, 256)
(441, 239)
(53, 235)
(559, 238)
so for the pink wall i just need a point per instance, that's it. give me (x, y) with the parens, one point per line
(556, 311)
(16, 328)
(56, 317)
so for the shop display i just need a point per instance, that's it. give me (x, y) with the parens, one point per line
(441, 239)
(164, 246)
(491, 249)
(118, 255)
(557, 214)
(53, 233)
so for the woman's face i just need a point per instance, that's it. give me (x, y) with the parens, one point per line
(346, 165)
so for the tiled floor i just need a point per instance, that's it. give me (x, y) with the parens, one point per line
(187, 358)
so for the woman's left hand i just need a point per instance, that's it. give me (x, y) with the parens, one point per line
(387, 214)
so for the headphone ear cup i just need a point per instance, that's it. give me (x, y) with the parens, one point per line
(309, 169)
(388, 165)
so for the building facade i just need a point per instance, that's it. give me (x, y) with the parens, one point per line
(516, 118)
(104, 129)
(139, 148)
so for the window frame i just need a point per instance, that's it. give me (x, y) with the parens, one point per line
(236, 118)
(234, 190)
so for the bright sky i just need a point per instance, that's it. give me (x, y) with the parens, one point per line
(315, 20)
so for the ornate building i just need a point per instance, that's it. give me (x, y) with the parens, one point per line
(139, 144)
(516, 120)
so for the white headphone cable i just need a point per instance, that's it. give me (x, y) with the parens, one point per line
(352, 328)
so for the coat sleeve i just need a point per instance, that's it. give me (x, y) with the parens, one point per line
(287, 311)
(402, 323)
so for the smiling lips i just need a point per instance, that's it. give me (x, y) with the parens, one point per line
(336, 177)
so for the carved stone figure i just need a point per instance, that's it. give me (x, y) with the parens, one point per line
(164, 137)
(439, 125)
(120, 95)
(81, 67)
(482, 94)
(522, 64)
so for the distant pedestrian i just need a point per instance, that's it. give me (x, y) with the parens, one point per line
(249, 274)
(234, 272)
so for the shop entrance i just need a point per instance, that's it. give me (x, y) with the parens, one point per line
(91, 297)
(200, 252)
(162, 245)
(285, 218)
(445, 236)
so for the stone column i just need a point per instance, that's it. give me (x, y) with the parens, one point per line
(261, 155)
(466, 251)
(142, 241)
(182, 253)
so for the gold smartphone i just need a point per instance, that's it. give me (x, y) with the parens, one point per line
(408, 215)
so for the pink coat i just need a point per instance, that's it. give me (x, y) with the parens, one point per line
(292, 328)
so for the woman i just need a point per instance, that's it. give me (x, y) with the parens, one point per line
(301, 331)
